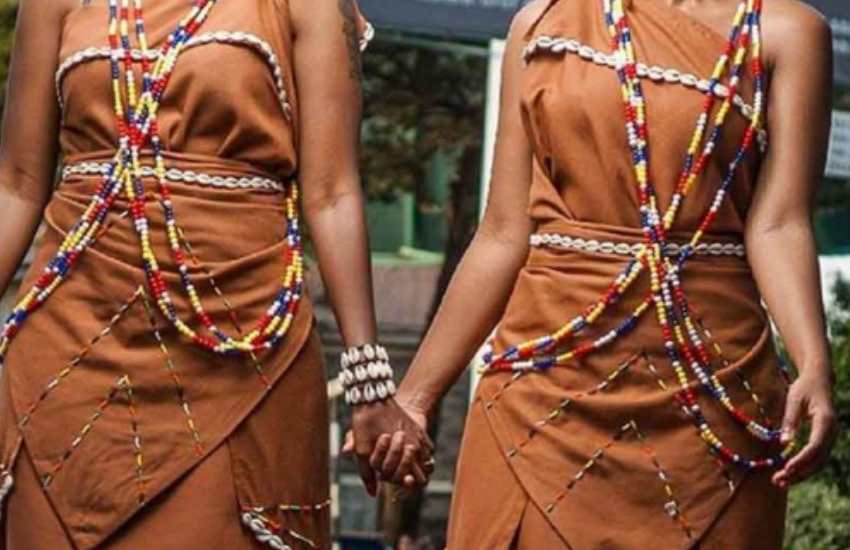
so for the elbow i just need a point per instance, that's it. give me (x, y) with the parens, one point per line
(767, 226)
(25, 187)
(317, 204)
(505, 233)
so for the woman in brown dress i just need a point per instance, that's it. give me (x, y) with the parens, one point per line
(117, 429)
(649, 418)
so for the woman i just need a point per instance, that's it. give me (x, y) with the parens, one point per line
(631, 396)
(162, 375)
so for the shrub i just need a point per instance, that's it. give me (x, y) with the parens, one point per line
(818, 518)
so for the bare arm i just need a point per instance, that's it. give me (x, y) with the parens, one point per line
(480, 289)
(779, 234)
(478, 293)
(29, 145)
(327, 68)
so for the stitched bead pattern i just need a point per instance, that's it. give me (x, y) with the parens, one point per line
(222, 37)
(8, 481)
(724, 471)
(265, 530)
(718, 350)
(292, 508)
(671, 507)
(137, 442)
(78, 359)
(120, 385)
(555, 240)
(559, 411)
(510, 382)
(304, 507)
(730, 483)
(231, 311)
(591, 462)
(656, 73)
(175, 377)
(182, 176)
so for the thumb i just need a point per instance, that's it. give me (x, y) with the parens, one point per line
(348, 445)
(791, 421)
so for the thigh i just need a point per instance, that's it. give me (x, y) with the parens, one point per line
(755, 518)
(487, 501)
(200, 511)
(30, 520)
(535, 532)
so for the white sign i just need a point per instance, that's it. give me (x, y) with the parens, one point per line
(838, 160)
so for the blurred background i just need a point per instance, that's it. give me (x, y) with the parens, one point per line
(431, 86)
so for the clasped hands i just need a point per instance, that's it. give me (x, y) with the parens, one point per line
(390, 444)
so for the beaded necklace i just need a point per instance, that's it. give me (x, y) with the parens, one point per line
(137, 123)
(681, 338)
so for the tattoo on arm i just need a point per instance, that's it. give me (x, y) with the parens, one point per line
(352, 38)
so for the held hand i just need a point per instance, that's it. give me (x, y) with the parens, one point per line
(810, 399)
(389, 445)
(395, 462)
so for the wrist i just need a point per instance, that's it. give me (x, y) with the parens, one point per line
(817, 372)
(366, 375)
(421, 401)
(367, 409)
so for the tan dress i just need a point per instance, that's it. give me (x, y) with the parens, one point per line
(115, 430)
(598, 454)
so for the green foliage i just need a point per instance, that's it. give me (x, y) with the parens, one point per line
(818, 518)
(8, 11)
(837, 472)
(418, 100)
(819, 510)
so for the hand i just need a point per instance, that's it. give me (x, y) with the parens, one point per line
(389, 444)
(810, 396)
(391, 460)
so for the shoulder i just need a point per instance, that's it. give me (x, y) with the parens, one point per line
(50, 8)
(526, 17)
(47, 10)
(792, 27)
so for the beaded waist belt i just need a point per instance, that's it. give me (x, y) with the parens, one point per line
(557, 240)
(258, 183)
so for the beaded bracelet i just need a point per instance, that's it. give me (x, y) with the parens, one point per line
(366, 374)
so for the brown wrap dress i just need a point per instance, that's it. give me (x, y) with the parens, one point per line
(598, 454)
(114, 429)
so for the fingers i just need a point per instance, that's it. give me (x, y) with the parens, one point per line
(348, 445)
(394, 456)
(791, 421)
(416, 478)
(367, 474)
(379, 454)
(406, 463)
(428, 466)
(814, 455)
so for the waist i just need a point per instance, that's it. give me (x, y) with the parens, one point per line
(600, 239)
(181, 168)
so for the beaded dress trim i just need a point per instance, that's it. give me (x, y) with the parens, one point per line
(258, 183)
(237, 38)
(556, 45)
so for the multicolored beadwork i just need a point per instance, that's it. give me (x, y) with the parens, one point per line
(682, 341)
(136, 114)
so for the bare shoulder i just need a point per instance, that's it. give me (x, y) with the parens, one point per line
(526, 17)
(791, 26)
(50, 10)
